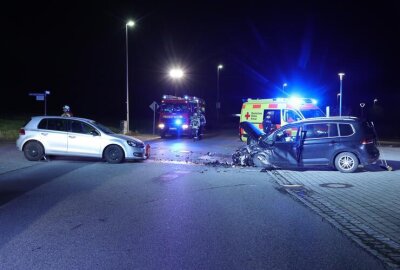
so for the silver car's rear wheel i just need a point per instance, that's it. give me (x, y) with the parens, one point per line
(346, 162)
(114, 154)
(33, 151)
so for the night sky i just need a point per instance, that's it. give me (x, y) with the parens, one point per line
(77, 51)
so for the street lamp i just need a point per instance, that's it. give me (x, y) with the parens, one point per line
(340, 104)
(176, 74)
(283, 87)
(218, 105)
(362, 105)
(130, 24)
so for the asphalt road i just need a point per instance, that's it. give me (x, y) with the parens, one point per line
(170, 212)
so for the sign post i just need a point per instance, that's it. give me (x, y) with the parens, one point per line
(154, 106)
(42, 97)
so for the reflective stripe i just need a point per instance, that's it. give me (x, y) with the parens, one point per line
(256, 106)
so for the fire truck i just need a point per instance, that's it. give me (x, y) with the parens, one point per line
(175, 113)
(281, 110)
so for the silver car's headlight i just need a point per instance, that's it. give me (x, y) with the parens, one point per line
(133, 143)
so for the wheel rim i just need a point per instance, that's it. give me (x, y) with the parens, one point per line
(33, 151)
(114, 154)
(346, 163)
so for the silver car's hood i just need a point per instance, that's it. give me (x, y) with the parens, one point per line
(125, 137)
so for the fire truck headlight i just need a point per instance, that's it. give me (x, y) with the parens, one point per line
(185, 126)
(161, 125)
(178, 122)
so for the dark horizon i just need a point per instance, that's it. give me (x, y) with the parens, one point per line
(77, 51)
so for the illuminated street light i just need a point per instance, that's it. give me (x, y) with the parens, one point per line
(176, 74)
(218, 105)
(362, 105)
(130, 24)
(341, 94)
(283, 87)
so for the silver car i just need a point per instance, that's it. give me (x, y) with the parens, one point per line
(72, 136)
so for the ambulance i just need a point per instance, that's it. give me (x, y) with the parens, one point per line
(282, 111)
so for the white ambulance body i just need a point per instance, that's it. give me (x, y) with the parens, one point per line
(282, 110)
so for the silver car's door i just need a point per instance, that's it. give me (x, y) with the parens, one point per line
(83, 139)
(53, 133)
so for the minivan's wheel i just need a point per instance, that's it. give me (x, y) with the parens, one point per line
(114, 154)
(346, 162)
(33, 151)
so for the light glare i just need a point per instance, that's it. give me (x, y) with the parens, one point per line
(176, 73)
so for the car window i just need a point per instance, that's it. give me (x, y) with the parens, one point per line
(275, 116)
(288, 134)
(291, 116)
(83, 128)
(321, 130)
(346, 129)
(53, 124)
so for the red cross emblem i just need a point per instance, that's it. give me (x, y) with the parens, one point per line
(247, 116)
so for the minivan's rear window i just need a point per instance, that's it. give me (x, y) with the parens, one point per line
(345, 129)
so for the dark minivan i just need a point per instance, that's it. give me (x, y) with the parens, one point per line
(341, 142)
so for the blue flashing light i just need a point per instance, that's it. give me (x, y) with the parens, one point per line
(295, 101)
(314, 101)
(178, 122)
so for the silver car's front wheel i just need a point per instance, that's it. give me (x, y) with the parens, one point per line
(346, 162)
(114, 154)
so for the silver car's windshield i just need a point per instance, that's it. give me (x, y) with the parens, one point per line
(103, 128)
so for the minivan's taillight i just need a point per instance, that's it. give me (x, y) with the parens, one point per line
(21, 131)
(367, 141)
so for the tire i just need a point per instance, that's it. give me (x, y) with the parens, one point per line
(346, 162)
(114, 154)
(162, 135)
(33, 151)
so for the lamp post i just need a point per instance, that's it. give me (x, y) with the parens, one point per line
(176, 74)
(218, 105)
(362, 105)
(341, 95)
(130, 24)
(283, 87)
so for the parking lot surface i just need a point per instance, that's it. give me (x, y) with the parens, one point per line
(363, 205)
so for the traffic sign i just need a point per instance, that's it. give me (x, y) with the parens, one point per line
(154, 106)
